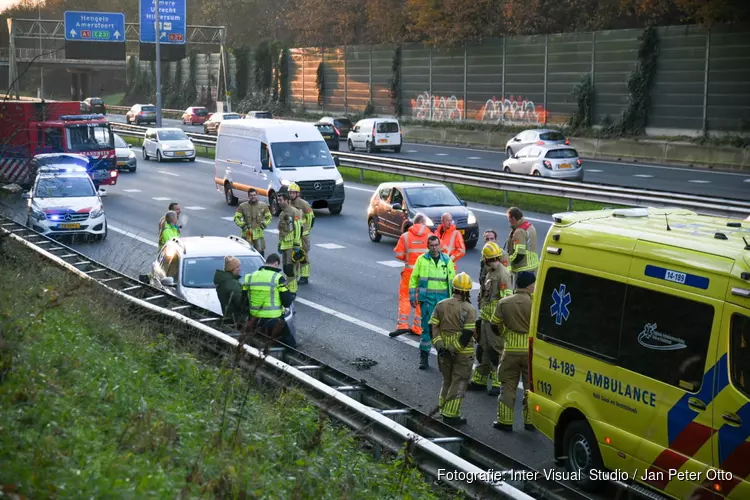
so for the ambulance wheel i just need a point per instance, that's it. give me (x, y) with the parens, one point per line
(581, 452)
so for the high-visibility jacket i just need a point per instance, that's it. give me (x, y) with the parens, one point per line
(432, 281)
(265, 287)
(412, 244)
(253, 217)
(308, 216)
(521, 246)
(496, 286)
(513, 315)
(451, 242)
(170, 231)
(290, 228)
(451, 318)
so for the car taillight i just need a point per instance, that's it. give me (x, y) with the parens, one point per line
(567, 142)
(141, 113)
(579, 162)
(540, 143)
(113, 173)
(547, 164)
(531, 373)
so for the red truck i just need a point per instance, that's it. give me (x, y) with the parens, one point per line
(29, 128)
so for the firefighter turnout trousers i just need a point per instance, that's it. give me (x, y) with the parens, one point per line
(404, 306)
(304, 266)
(491, 345)
(456, 370)
(514, 366)
(287, 264)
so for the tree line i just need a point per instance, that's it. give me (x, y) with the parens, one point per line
(435, 22)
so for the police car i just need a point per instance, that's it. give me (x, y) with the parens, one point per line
(185, 268)
(63, 201)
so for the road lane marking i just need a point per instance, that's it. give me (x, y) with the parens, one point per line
(391, 263)
(475, 285)
(194, 208)
(329, 246)
(361, 189)
(161, 198)
(228, 219)
(132, 235)
(272, 231)
(412, 151)
(746, 180)
(168, 173)
(132, 190)
(701, 182)
(474, 158)
(504, 214)
(644, 176)
(592, 170)
(441, 154)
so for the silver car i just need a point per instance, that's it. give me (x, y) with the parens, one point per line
(126, 159)
(559, 162)
(539, 137)
(185, 268)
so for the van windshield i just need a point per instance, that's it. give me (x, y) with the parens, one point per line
(301, 154)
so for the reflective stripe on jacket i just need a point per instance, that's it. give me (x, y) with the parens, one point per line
(265, 293)
(522, 242)
(431, 280)
(254, 217)
(449, 319)
(412, 244)
(451, 242)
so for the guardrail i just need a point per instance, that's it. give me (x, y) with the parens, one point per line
(376, 416)
(500, 181)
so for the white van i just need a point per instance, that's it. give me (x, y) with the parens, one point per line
(269, 154)
(373, 134)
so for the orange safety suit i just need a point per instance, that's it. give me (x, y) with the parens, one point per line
(411, 245)
(451, 242)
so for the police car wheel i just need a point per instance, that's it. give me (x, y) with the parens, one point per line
(581, 453)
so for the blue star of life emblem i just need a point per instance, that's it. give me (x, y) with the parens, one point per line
(560, 302)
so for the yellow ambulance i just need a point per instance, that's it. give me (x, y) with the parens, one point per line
(639, 358)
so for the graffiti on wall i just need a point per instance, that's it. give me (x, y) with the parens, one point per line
(515, 109)
(436, 108)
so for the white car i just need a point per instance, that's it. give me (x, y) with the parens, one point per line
(558, 162)
(538, 137)
(64, 201)
(185, 268)
(373, 134)
(167, 144)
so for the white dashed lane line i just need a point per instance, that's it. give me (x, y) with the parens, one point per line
(272, 231)
(441, 154)
(168, 173)
(194, 208)
(161, 198)
(746, 180)
(593, 170)
(643, 176)
(700, 182)
(132, 190)
(329, 246)
(474, 158)
(228, 219)
(391, 263)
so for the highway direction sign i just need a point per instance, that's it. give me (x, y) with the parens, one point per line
(172, 20)
(95, 26)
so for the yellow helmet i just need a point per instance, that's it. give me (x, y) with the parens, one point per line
(491, 251)
(293, 187)
(462, 282)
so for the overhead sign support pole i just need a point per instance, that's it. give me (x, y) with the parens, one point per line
(157, 30)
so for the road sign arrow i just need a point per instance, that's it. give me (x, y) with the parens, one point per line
(116, 34)
(72, 32)
(163, 35)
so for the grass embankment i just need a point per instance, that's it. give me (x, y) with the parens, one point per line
(96, 403)
(528, 202)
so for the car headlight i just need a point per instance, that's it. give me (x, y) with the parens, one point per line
(340, 180)
(166, 146)
(472, 218)
(285, 182)
(131, 155)
(97, 212)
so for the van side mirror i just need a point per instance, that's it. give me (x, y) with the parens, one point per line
(336, 161)
(169, 281)
(26, 195)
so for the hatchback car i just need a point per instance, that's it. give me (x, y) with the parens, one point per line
(559, 162)
(93, 105)
(126, 159)
(538, 137)
(258, 115)
(373, 134)
(195, 115)
(394, 203)
(185, 268)
(329, 135)
(141, 113)
(342, 124)
(211, 126)
(64, 202)
(167, 144)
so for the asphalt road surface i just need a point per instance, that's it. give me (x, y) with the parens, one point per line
(636, 175)
(350, 304)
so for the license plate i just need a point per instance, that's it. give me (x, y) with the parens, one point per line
(180, 153)
(70, 226)
(121, 163)
(462, 231)
(566, 165)
(327, 137)
(382, 141)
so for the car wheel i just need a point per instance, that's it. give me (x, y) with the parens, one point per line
(158, 156)
(102, 237)
(351, 146)
(537, 173)
(145, 154)
(335, 209)
(506, 170)
(372, 229)
(230, 198)
(470, 245)
(132, 169)
(368, 147)
(581, 453)
(192, 159)
(273, 204)
(397, 149)
(509, 152)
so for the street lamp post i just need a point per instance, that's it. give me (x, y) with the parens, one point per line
(157, 31)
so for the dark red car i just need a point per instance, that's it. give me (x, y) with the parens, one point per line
(195, 115)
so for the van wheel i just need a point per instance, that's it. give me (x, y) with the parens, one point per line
(351, 146)
(273, 204)
(335, 209)
(369, 147)
(397, 149)
(372, 228)
(228, 195)
(581, 453)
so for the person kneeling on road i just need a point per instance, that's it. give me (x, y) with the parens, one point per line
(452, 330)
(268, 296)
